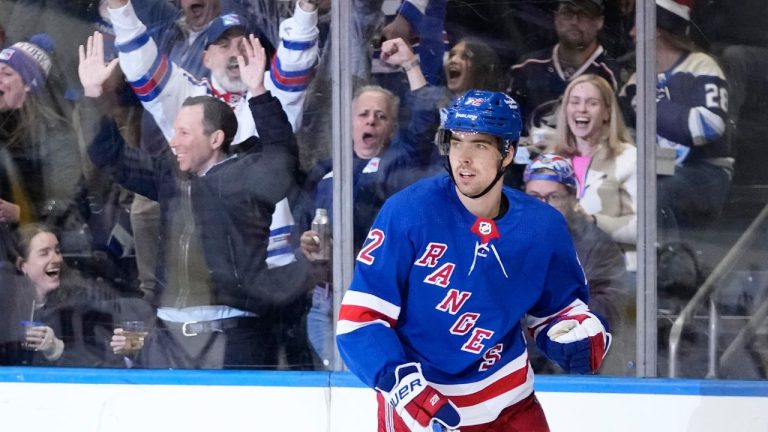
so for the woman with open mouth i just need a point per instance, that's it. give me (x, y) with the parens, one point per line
(471, 64)
(67, 320)
(40, 169)
(591, 132)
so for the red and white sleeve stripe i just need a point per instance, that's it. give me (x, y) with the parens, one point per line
(360, 309)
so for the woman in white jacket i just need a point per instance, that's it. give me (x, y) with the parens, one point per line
(591, 132)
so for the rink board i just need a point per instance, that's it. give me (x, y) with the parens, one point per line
(98, 400)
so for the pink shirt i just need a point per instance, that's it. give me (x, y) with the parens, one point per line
(580, 168)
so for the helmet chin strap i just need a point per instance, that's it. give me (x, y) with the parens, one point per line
(499, 175)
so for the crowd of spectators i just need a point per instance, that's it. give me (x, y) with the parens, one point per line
(170, 173)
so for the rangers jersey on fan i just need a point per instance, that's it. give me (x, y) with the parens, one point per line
(691, 105)
(162, 86)
(434, 284)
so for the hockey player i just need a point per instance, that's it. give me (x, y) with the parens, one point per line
(432, 319)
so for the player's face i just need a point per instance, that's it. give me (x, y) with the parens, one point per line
(43, 263)
(372, 124)
(552, 193)
(575, 28)
(457, 69)
(475, 160)
(586, 112)
(198, 13)
(194, 148)
(13, 93)
(221, 58)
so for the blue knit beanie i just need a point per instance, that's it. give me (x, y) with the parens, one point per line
(31, 60)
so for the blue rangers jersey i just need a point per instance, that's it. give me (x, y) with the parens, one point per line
(434, 284)
(691, 105)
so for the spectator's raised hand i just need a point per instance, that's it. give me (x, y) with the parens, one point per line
(92, 69)
(396, 52)
(253, 65)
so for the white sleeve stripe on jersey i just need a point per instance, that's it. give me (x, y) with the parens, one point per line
(370, 301)
(348, 326)
(535, 324)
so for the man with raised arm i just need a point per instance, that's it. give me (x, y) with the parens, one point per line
(216, 209)
(162, 86)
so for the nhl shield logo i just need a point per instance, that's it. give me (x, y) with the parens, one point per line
(485, 228)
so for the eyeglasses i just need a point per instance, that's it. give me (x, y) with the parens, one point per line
(555, 199)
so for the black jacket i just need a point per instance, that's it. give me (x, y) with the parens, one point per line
(226, 213)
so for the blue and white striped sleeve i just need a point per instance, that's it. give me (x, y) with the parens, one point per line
(161, 85)
(294, 63)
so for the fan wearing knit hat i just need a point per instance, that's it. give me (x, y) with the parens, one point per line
(24, 67)
(39, 158)
(692, 105)
(550, 178)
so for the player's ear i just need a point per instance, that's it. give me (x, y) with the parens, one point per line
(509, 157)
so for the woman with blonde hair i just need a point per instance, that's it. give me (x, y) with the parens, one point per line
(591, 133)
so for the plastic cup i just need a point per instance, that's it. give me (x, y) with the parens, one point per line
(134, 332)
(25, 326)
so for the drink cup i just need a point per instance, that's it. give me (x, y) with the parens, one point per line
(134, 332)
(25, 326)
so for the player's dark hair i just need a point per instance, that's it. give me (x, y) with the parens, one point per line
(217, 115)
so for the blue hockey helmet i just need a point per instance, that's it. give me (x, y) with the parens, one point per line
(551, 167)
(493, 113)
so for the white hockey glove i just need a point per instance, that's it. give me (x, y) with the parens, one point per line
(577, 343)
(418, 403)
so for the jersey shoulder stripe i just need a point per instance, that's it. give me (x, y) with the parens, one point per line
(699, 65)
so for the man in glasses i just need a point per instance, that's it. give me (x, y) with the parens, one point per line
(551, 179)
(539, 79)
